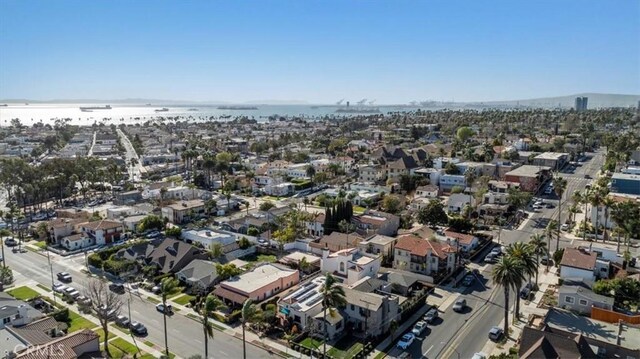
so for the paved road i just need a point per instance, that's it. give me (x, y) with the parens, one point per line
(185, 335)
(131, 153)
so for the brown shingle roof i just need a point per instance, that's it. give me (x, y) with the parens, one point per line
(102, 224)
(63, 347)
(577, 258)
(36, 333)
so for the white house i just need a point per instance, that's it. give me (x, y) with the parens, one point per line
(350, 264)
(207, 237)
(457, 201)
(302, 304)
(577, 263)
(447, 182)
(280, 189)
(429, 191)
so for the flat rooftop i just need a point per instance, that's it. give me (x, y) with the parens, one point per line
(527, 171)
(258, 278)
(626, 176)
(551, 155)
(307, 296)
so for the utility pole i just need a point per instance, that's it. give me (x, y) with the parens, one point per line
(52, 282)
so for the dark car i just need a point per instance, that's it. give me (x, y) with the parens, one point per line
(525, 292)
(122, 321)
(496, 333)
(116, 288)
(138, 329)
(10, 241)
(168, 310)
(64, 277)
(431, 315)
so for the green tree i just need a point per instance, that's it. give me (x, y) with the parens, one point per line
(207, 306)
(174, 232)
(433, 214)
(266, 205)
(464, 133)
(228, 270)
(167, 286)
(507, 275)
(523, 255)
(391, 204)
(151, 222)
(333, 297)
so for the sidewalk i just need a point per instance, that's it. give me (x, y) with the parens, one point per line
(527, 308)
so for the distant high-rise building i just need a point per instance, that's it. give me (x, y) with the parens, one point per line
(581, 103)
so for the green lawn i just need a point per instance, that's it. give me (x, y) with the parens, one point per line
(79, 322)
(23, 293)
(43, 287)
(358, 209)
(176, 292)
(100, 332)
(259, 258)
(311, 343)
(124, 345)
(147, 356)
(148, 343)
(344, 353)
(41, 244)
(126, 331)
(183, 300)
(115, 352)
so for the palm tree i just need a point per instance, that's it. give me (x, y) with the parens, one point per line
(332, 297)
(539, 247)
(596, 200)
(249, 313)
(208, 305)
(507, 274)
(3, 233)
(608, 204)
(167, 286)
(559, 185)
(523, 255)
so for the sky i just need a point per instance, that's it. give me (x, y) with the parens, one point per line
(318, 51)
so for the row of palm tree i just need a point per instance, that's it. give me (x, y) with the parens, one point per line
(518, 265)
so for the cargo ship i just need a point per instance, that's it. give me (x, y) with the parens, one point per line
(91, 108)
(237, 108)
(164, 109)
(358, 110)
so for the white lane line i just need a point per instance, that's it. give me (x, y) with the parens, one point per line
(428, 350)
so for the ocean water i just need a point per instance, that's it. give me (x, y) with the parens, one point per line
(47, 113)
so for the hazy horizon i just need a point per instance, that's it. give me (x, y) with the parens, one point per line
(318, 52)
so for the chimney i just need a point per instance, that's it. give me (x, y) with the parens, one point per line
(325, 251)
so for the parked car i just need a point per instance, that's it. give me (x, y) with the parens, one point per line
(564, 227)
(479, 355)
(419, 328)
(525, 292)
(64, 277)
(103, 311)
(138, 328)
(122, 321)
(495, 333)
(117, 288)
(496, 251)
(406, 341)
(546, 260)
(490, 258)
(153, 234)
(59, 287)
(166, 310)
(156, 289)
(10, 241)
(431, 315)
(82, 300)
(460, 305)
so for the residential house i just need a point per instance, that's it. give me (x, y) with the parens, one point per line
(428, 257)
(371, 174)
(402, 166)
(441, 162)
(16, 312)
(578, 297)
(103, 231)
(76, 241)
(261, 283)
(302, 304)
(199, 274)
(81, 344)
(432, 174)
(184, 211)
(280, 189)
(448, 182)
(167, 255)
(378, 244)
(457, 201)
(208, 237)
(428, 191)
(577, 263)
(350, 265)
(127, 198)
(530, 178)
(62, 227)
(315, 226)
(465, 242)
(376, 222)
(336, 241)
(293, 260)
(369, 314)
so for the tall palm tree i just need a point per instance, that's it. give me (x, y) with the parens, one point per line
(526, 264)
(332, 297)
(167, 286)
(208, 305)
(249, 313)
(608, 203)
(559, 185)
(506, 273)
(595, 198)
(539, 247)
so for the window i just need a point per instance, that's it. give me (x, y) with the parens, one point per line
(569, 300)
(582, 302)
(6, 320)
(353, 307)
(341, 266)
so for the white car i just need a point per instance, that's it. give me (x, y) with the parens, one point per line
(419, 328)
(564, 227)
(406, 341)
(479, 356)
(59, 287)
